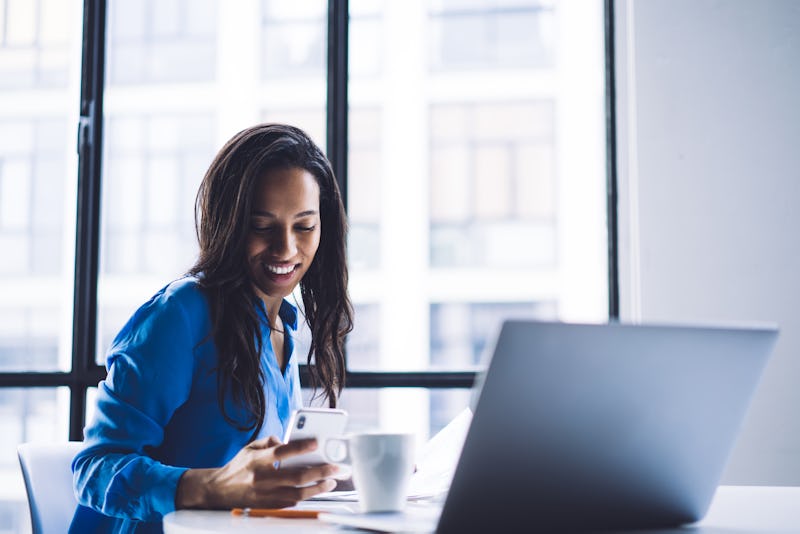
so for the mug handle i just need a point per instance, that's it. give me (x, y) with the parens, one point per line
(337, 442)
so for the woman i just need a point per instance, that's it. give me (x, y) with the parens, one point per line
(203, 377)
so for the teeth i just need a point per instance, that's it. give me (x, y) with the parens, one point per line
(277, 269)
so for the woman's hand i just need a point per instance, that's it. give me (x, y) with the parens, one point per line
(250, 479)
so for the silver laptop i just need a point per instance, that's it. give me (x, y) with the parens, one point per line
(607, 426)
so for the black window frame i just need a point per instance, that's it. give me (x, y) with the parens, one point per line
(85, 373)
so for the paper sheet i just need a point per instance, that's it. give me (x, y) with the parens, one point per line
(436, 462)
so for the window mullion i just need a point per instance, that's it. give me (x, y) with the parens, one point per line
(90, 136)
(611, 162)
(337, 105)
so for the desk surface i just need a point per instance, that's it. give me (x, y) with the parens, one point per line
(735, 509)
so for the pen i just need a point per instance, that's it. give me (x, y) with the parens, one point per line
(276, 512)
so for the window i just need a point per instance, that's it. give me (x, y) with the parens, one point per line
(39, 72)
(471, 141)
(476, 189)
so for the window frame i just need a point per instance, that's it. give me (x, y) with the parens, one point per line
(85, 373)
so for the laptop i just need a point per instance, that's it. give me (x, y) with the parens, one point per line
(592, 427)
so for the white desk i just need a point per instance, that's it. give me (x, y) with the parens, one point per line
(734, 510)
(212, 521)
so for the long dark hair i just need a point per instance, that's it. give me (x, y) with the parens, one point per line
(222, 220)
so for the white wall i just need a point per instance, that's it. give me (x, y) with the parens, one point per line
(709, 161)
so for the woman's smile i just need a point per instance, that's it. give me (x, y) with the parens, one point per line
(281, 269)
(282, 274)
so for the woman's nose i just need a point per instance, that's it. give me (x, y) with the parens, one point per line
(284, 245)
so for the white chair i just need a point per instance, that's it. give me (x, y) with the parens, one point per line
(48, 482)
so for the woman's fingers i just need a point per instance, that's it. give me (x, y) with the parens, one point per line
(287, 487)
(303, 476)
(268, 476)
(273, 441)
(294, 448)
(291, 495)
(251, 478)
(266, 451)
(265, 443)
(322, 486)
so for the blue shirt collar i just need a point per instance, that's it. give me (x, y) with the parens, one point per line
(288, 314)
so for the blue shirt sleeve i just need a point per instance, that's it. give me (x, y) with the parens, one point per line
(150, 375)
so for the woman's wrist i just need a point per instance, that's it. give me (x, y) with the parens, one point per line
(194, 490)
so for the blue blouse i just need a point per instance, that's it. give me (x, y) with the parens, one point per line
(158, 414)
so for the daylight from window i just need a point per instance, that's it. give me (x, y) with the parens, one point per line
(476, 177)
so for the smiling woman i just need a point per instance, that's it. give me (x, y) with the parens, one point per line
(210, 358)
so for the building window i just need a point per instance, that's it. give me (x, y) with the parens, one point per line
(293, 38)
(34, 44)
(161, 41)
(493, 185)
(32, 154)
(501, 34)
(153, 167)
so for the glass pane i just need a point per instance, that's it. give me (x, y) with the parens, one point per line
(421, 411)
(364, 188)
(365, 155)
(183, 76)
(490, 34)
(294, 39)
(39, 92)
(477, 175)
(496, 206)
(462, 333)
(292, 87)
(91, 398)
(26, 415)
(161, 41)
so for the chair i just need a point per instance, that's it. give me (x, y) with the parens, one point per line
(48, 482)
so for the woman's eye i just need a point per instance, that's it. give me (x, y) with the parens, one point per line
(262, 229)
(305, 228)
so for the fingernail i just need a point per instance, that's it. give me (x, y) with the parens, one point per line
(329, 485)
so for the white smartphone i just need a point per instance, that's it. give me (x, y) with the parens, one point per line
(320, 423)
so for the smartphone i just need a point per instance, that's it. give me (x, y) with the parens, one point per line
(320, 423)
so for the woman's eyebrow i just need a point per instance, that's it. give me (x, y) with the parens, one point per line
(306, 213)
(262, 213)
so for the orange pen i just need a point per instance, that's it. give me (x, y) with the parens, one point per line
(276, 512)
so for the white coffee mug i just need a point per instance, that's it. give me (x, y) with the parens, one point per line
(382, 464)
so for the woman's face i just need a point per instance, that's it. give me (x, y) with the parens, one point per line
(284, 231)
